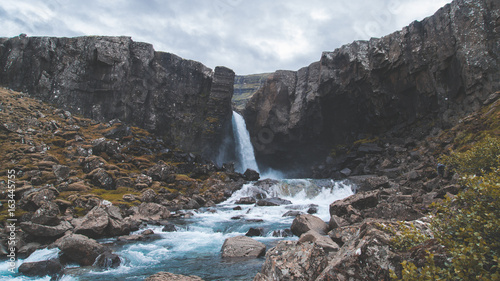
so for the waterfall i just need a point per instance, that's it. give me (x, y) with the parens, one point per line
(244, 150)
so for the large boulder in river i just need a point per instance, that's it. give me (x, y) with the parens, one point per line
(41, 268)
(293, 260)
(242, 246)
(273, 201)
(251, 175)
(80, 249)
(167, 276)
(303, 223)
(49, 231)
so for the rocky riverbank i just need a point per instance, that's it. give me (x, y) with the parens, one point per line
(396, 183)
(77, 180)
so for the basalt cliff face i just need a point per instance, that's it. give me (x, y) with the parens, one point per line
(104, 78)
(427, 75)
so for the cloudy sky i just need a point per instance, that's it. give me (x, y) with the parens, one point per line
(248, 36)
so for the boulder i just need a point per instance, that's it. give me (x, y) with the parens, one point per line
(324, 242)
(41, 268)
(150, 212)
(255, 232)
(169, 228)
(166, 276)
(148, 195)
(366, 255)
(303, 223)
(80, 249)
(47, 214)
(370, 182)
(359, 201)
(40, 230)
(274, 201)
(292, 213)
(93, 162)
(93, 223)
(242, 246)
(161, 172)
(102, 179)
(251, 175)
(293, 260)
(61, 172)
(246, 201)
(37, 197)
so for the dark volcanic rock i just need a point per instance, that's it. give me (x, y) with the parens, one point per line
(114, 77)
(435, 71)
(251, 175)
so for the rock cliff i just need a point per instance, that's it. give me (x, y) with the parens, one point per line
(105, 78)
(426, 75)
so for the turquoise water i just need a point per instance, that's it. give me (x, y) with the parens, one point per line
(195, 248)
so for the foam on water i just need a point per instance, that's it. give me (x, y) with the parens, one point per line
(194, 249)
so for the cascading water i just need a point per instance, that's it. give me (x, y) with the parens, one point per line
(244, 149)
(194, 249)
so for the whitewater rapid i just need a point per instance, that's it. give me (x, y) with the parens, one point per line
(195, 248)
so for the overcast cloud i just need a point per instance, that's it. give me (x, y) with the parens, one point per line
(248, 36)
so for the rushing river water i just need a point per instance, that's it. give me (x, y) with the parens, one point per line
(195, 248)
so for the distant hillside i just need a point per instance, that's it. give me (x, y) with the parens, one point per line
(245, 86)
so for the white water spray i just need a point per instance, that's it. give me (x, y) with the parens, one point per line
(244, 148)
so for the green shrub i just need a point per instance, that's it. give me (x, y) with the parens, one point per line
(467, 225)
(480, 159)
(405, 236)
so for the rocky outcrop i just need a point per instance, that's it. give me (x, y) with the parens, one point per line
(431, 72)
(292, 260)
(105, 78)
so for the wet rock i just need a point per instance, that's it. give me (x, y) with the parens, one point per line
(282, 233)
(80, 249)
(274, 201)
(246, 201)
(169, 228)
(255, 232)
(312, 210)
(166, 276)
(292, 213)
(242, 246)
(41, 268)
(292, 260)
(107, 260)
(303, 223)
(251, 175)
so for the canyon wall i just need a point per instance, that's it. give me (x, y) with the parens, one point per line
(427, 75)
(104, 78)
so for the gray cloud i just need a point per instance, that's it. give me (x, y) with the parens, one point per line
(247, 36)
